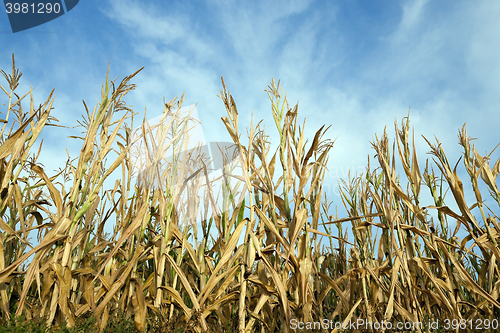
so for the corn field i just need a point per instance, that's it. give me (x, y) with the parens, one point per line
(274, 256)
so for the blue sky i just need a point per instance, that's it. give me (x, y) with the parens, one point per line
(355, 65)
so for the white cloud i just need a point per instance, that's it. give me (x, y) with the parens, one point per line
(411, 19)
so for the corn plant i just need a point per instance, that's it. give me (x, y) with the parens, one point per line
(273, 255)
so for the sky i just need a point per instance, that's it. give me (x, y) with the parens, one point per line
(355, 65)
